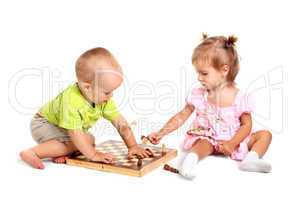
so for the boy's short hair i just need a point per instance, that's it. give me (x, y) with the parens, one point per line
(84, 71)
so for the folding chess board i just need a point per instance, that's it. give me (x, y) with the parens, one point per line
(123, 165)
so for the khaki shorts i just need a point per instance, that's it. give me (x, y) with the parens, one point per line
(42, 131)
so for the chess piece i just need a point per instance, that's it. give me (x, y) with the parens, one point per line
(163, 149)
(139, 163)
(170, 169)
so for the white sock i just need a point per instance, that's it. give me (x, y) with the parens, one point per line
(252, 155)
(253, 163)
(179, 160)
(188, 166)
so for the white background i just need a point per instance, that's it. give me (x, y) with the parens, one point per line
(153, 41)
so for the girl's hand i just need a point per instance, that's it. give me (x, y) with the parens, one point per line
(226, 147)
(155, 137)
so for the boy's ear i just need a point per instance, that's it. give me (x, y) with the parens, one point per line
(86, 86)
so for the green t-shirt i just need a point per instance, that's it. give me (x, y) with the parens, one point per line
(70, 110)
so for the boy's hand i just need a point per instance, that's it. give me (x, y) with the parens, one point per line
(226, 147)
(155, 137)
(139, 151)
(103, 157)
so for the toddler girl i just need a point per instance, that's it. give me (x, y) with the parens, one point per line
(223, 122)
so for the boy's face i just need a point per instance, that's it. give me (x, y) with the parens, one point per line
(209, 77)
(106, 82)
(106, 77)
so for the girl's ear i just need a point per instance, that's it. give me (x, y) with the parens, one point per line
(225, 70)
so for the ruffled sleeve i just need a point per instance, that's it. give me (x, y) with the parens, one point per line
(195, 97)
(245, 103)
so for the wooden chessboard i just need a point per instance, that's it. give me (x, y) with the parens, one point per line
(123, 165)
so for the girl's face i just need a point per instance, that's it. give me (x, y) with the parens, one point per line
(211, 78)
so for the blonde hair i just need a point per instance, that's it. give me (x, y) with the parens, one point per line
(218, 51)
(84, 71)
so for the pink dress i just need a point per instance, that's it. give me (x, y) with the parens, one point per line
(217, 123)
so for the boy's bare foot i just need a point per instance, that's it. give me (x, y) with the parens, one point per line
(60, 160)
(31, 158)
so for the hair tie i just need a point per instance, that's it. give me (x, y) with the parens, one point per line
(204, 36)
(230, 42)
